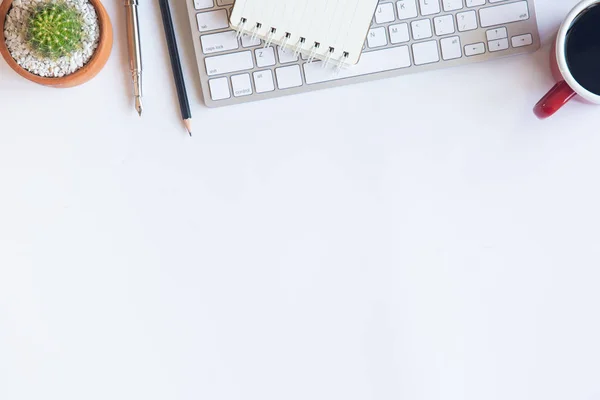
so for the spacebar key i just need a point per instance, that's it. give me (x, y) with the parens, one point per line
(370, 63)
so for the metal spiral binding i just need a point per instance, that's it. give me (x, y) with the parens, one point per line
(242, 28)
(286, 39)
(313, 52)
(270, 37)
(255, 31)
(328, 57)
(298, 47)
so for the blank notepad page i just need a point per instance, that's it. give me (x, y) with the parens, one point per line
(330, 30)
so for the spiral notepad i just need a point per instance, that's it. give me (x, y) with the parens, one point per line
(330, 30)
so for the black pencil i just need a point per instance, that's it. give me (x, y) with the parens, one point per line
(184, 105)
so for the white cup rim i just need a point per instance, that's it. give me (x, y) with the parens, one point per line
(561, 58)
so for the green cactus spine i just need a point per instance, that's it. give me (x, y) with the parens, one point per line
(55, 30)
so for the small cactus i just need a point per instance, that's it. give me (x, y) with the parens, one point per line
(55, 30)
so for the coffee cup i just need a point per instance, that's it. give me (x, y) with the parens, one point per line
(575, 60)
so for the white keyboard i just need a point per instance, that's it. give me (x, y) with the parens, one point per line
(406, 36)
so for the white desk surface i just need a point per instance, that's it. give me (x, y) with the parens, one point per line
(416, 238)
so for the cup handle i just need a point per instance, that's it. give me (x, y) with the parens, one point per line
(557, 97)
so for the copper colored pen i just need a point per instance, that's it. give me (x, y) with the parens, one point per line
(135, 51)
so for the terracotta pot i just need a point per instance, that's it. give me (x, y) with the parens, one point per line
(82, 75)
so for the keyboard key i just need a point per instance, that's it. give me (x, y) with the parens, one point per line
(504, 14)
(444, 25)
(217, 42)
(227, 63)
(426, 52)
(522, 40)
(451, 48)
(467, 21)
(263, 81)
(202, 4)
(406, 9)
(498, 45)
(224, 2)
(286, 56)
(429, 7)
(421, 29)
(265, 57)
(452, 5)
(369, 63)
(474, 49)
(475, 3)
(495, 34)
(247, 41)
(241, 85)
(219, 89)
(376, 37)
(399, 33)
(288, 77)
(385, 13)
(212, 20)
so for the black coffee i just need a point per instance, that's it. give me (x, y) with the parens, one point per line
(583, 49)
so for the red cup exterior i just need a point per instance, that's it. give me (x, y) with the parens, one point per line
(558, 96)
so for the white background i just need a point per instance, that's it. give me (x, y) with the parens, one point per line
(415, 238)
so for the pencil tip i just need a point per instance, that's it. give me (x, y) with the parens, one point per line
(188, 125)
